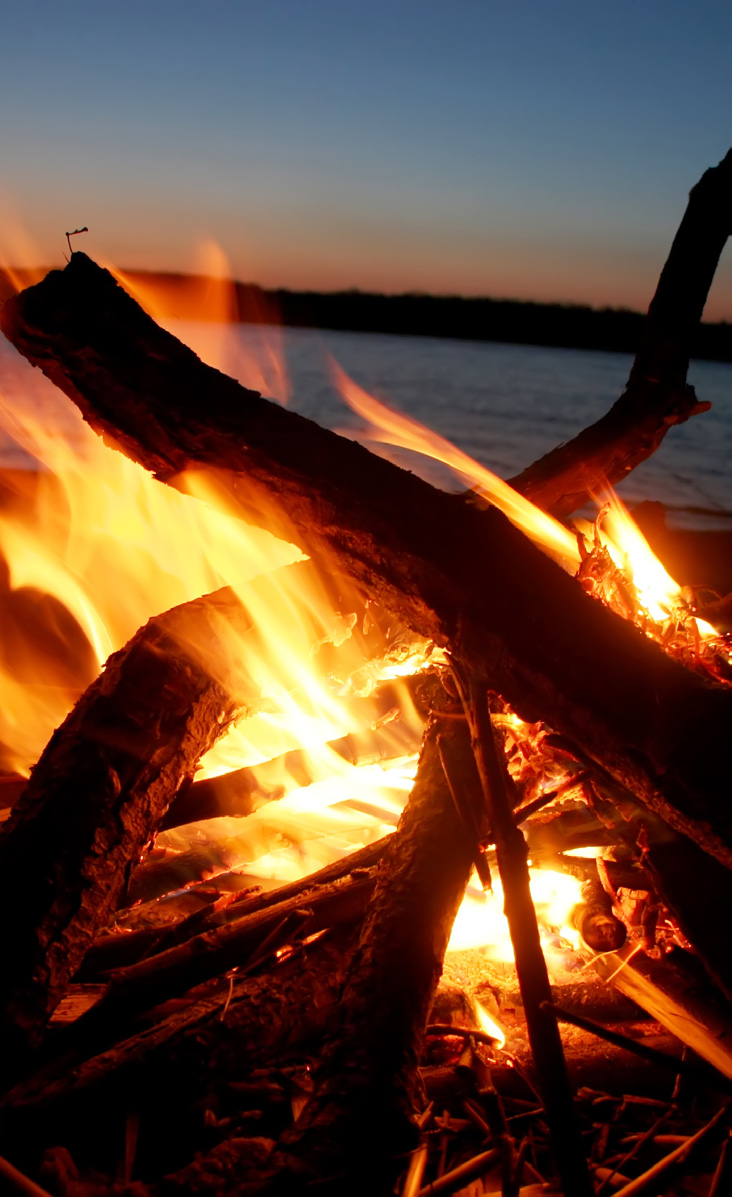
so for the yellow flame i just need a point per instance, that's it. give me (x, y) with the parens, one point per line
(395, 428)
(481, 923)
(657, 591)
(203, 311)
(488, 1025)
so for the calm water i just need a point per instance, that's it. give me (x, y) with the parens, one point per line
(503, 404)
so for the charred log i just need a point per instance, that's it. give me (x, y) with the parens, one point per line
(97, 795)
(657, 395)
(160, 1071)
(362, 1113)
(453, 573)
(215, 952)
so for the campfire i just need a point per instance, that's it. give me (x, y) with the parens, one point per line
(283, 727)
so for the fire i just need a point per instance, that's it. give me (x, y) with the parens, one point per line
(657, 600)
(106, 547)
(390, 427)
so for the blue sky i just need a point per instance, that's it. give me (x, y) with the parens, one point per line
(539, 148)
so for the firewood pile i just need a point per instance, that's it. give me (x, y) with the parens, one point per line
(163, 1033)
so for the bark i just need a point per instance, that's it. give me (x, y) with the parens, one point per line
(657, 395)
(161, 1070)
(361, 1114)
(213, 953)
(97, 795)
(119, 950)
(453, 573)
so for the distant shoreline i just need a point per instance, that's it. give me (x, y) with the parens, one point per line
(520, 322)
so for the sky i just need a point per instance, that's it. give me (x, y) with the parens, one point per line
(538, 149)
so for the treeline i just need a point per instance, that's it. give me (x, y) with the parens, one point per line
(571, 326)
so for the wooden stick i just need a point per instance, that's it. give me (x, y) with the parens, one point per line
(213, 1039)
(97, 795)
(648, 1179)
(118, 951)
(512, 856)
(657, 395)
(670, 1063)
(18, 1182)
(155, 980)
(675, 999)
(458, 1178)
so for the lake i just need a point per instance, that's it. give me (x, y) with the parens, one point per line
(503, 404)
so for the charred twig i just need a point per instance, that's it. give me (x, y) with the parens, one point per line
(677, 1066)
(459, 1178)
(98, 793)
(17, 1182)
(211, 954)
(286, 1009)
(117, 951)
(512, 856)
(648, 1180)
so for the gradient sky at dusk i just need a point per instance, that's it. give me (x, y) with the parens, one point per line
(534, 148)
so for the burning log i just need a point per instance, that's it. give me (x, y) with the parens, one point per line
(214, 952)
(657, 395)
(453, 573)
(98, 793)
(115, 951)
(361, 1115)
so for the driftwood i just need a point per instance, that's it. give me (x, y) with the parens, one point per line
(98, 793)
(451, 572)
(657, 395)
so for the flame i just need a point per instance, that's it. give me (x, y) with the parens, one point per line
(203, 309)
(481, 923)
(93, 547)
(661, 599)
(488, 1025)
(395, 428)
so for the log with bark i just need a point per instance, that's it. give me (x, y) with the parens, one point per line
(163, 1069)
(216, 951)
(657, 395)
(97, 795)
(453, 573)
(362, 1113)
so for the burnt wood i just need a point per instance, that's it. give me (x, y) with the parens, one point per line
(657, 395)
(97, 795)
(361, 1114)
(162, 1069)
(453, 573)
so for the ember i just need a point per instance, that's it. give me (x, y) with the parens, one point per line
(425, 669)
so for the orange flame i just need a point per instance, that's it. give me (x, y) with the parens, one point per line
(395, 428)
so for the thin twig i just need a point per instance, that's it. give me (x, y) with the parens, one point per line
(459, 1177)
(670, 1063)
(647, 1180)
(512, 857)
(19, 1183)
